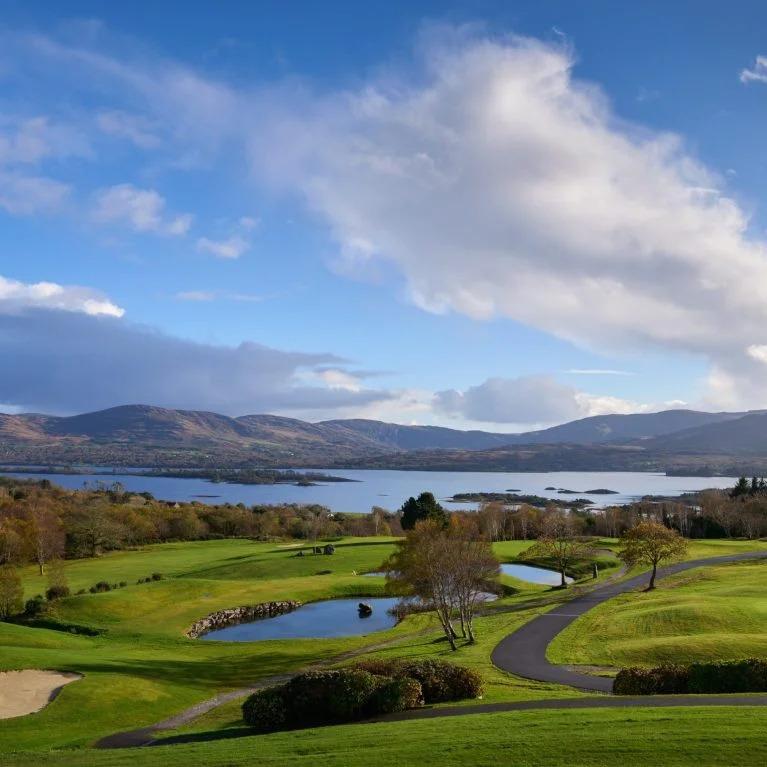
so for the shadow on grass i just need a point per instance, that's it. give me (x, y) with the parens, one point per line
(205, 737)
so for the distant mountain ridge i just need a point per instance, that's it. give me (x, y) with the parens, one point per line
(148, 435)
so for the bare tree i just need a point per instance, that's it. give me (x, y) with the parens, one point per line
(445, 570)
(474, 567)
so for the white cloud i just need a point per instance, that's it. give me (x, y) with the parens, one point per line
(18, 296)
(29, 140)
(134, 128)
(24, 195)
(528, 400)
(232, 247)
(500, 185)
(143, 210)
(757, 73)
(758, 352)
(598, 372)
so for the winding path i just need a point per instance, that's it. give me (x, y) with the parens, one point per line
(524, 652)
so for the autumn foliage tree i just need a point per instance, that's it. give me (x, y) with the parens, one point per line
(650, 543)
(560, 542)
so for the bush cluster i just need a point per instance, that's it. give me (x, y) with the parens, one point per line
(57, 592)
(102, 586)
(150, 578)
(440, 681)
(749, 675)
(367, 689)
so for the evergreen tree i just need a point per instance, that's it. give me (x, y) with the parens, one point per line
(421, 508)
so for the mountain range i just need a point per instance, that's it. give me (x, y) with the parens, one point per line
(143, 435)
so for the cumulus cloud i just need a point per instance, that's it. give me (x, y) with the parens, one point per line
(18, 296)
(143, 210)
(757, 73)
(501, 185)
(527, 400)
(232, 247)
(497, 183)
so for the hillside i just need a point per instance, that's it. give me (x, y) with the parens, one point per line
(143, 435)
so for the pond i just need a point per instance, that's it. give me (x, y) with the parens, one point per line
(316, 620)
(533, 574)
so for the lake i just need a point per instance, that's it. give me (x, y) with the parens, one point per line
(389, 488)
(331, 618)
(534, 574)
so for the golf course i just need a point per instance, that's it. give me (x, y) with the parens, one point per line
(138, 668)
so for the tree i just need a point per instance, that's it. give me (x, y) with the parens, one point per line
(445, 571)
(45, 534)
(650, 543)
(11, 592)
(422, 508)
(559, 542)
(474, 567)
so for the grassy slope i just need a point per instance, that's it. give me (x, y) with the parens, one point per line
(717, 612)
(143, 670)
(670, 737)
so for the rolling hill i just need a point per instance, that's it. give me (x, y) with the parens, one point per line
(143, 435)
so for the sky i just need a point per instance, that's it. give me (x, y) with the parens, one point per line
(495, 215)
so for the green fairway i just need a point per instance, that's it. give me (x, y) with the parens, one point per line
(141, 668)
(595, 737)
(703, 614)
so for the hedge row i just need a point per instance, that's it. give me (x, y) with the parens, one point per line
(748, 675)
(368, 689)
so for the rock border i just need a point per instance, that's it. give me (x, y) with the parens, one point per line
(236, 615)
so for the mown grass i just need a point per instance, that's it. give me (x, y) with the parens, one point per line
(703, 614)
(594, 737)
(142, 669)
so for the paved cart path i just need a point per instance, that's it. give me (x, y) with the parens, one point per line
(522, 653)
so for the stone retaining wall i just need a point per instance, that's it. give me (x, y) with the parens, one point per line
(235, 615)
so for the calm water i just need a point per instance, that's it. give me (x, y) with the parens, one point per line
(390, 488)
(533, 574)
(332, 618)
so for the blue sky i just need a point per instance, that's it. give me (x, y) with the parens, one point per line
(480, 214)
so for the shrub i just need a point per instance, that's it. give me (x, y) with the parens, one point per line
(662, 680)
(81, 591)
(34, 607)
(266, 710)
(395, 695)
(748, 675)
(329, 697)
(57, 592)
(100, 587)
(319, 697)
(157, 576)
(123, 584)
(440, 681)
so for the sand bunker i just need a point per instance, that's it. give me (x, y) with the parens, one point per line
(24, 692)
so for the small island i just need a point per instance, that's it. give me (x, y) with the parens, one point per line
(518, 499)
